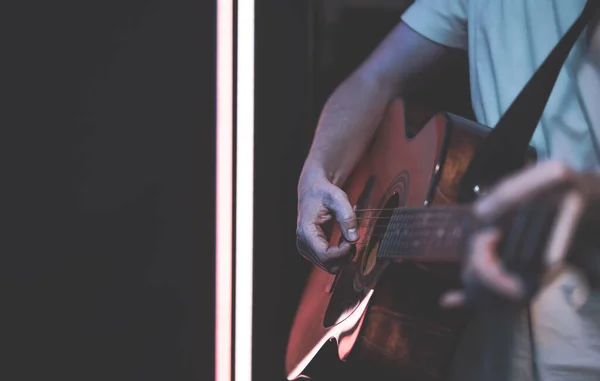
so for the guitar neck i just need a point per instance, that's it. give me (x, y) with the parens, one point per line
(440, 233)
(437, 233)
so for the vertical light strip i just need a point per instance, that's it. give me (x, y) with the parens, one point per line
(244, 191)
(224, 204)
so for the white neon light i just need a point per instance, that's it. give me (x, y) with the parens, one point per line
(224, 174)
(244, 191)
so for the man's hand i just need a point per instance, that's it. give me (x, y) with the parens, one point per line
(483, 268)
(320, 201)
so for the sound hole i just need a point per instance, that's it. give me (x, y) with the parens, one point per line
(379, 228)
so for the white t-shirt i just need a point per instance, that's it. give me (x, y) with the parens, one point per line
(507, 40)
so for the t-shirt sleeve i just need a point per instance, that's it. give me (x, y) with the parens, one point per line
(441, 21)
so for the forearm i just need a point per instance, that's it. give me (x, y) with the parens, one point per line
(346, 127)
(351, 115)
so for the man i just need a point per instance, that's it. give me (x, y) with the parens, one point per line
(506, 41)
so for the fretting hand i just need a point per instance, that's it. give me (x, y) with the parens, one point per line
(483, 269)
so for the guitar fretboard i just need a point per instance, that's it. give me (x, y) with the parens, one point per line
(434, 233)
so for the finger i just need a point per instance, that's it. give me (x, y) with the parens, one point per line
(311, 241)
(336, 252)
(335, 261)
(314, 245)
(453, 299)
(337, 202)
(500, 281)
(487, 268)
(525, 185)
(485, 240)
(318, 258)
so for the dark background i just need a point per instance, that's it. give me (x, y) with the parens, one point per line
(108, 124)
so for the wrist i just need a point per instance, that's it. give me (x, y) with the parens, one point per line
(313, 173)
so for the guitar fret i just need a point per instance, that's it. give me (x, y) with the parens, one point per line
(413, 233)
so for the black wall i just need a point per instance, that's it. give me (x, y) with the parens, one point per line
(283, 131)
(107, 251)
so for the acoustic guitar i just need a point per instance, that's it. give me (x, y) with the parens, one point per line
(382, 307)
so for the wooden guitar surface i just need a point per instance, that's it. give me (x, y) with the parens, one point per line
(396, 325)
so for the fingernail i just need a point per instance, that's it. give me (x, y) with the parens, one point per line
(452, 299)
(352, 234)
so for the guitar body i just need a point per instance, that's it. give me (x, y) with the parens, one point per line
(384, 314)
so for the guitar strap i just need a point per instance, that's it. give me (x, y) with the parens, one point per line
(504, 150)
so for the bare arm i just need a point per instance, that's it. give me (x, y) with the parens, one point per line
(353, 112)
(347, 124)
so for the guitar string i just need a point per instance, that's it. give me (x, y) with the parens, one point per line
(444, 215)
(387, 221)
(362, 244)
(413, 234)
(417, 210)
(434, 209)
(410, 235)
(433, 229)
(411, 229)
(424, 216)
(429, 223)
(410, 226)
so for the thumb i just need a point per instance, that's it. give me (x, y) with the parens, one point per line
(344, 214)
